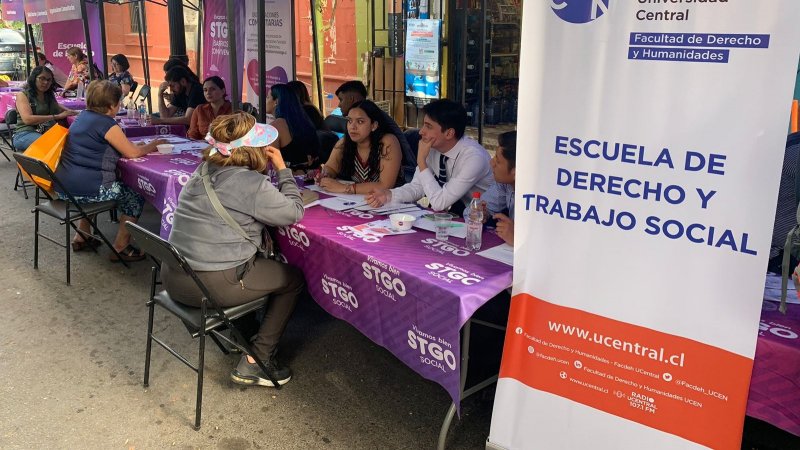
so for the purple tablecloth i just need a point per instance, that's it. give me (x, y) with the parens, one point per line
(409, 293)
(131, 128)
(775, 384)
(412, 294)
(159, 178)
(8, 100)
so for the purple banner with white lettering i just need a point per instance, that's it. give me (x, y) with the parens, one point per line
(49, 11)
(58, 37)
(13, 10)
(409, 293)
(216, 49)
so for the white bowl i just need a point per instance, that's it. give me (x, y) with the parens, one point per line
(164, 149)
(402, 222)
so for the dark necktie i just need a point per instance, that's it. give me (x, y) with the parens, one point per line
(442, 178)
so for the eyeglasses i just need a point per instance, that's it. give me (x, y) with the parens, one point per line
(44, 79)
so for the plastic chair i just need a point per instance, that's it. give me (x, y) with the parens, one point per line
(66, 211)
(204, 321)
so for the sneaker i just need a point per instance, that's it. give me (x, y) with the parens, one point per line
(250, 374)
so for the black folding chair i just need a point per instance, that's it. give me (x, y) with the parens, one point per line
(66, 211)
(209, 319)
(11, 119)
(6, 133)
(336, 124)
(144, 92)
(327, 140)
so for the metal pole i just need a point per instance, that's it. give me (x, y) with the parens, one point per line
(198, 45)
(103, 47)
(236, 97)
(143, 43)
(177, 31)
(86, 37)
(28, 40)
(482, 101)
(321, 100)
(262, 63)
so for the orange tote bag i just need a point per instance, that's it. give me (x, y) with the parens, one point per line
(47, 149)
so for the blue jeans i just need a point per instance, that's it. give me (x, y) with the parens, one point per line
(23, 139)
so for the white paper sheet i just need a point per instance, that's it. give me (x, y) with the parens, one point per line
(503, 253)
(341, 203)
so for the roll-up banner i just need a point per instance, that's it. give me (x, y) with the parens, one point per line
(278, 45)
(61, 31)
(216, 47)
(651, 137)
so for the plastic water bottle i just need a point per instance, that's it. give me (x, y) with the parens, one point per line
(142, 115)
(475, 223)
(79, 90)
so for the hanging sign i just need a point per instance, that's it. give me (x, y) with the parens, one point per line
(651, 136)
(48, 11)
(423, 39)
(13, 10)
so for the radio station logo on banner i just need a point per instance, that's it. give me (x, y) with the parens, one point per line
(579, 11)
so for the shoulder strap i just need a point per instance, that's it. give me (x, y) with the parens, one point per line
(221, 209)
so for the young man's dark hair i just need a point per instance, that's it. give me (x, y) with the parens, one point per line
(178, 73)
(448, 114)
(353, 86)
(174, 62)
(508, 142)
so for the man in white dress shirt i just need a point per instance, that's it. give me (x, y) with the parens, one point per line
(450, 166)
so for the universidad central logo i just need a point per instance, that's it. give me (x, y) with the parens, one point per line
(579, 11)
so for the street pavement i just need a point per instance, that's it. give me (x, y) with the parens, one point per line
(72, 361)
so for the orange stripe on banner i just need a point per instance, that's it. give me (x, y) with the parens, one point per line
(795, 114)
(667, 382)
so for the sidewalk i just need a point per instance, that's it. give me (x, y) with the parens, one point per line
(72, 358)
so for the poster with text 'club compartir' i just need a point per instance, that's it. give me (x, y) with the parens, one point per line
(651, 135)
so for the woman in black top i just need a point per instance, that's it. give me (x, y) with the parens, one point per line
(313, 113)
(297, 137)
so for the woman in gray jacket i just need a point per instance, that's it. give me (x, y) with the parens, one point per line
(226, 261)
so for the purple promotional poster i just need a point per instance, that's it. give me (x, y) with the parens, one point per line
(59, 36)
(216, 48)
(13, 10)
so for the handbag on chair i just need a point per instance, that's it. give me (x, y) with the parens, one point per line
(47, 149)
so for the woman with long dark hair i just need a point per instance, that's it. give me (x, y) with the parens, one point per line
(297, 137)
(299, 88)
(37, 108)
(218, 105)
(368, 155)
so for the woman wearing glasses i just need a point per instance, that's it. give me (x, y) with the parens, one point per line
(37, 108)
(120, 75)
